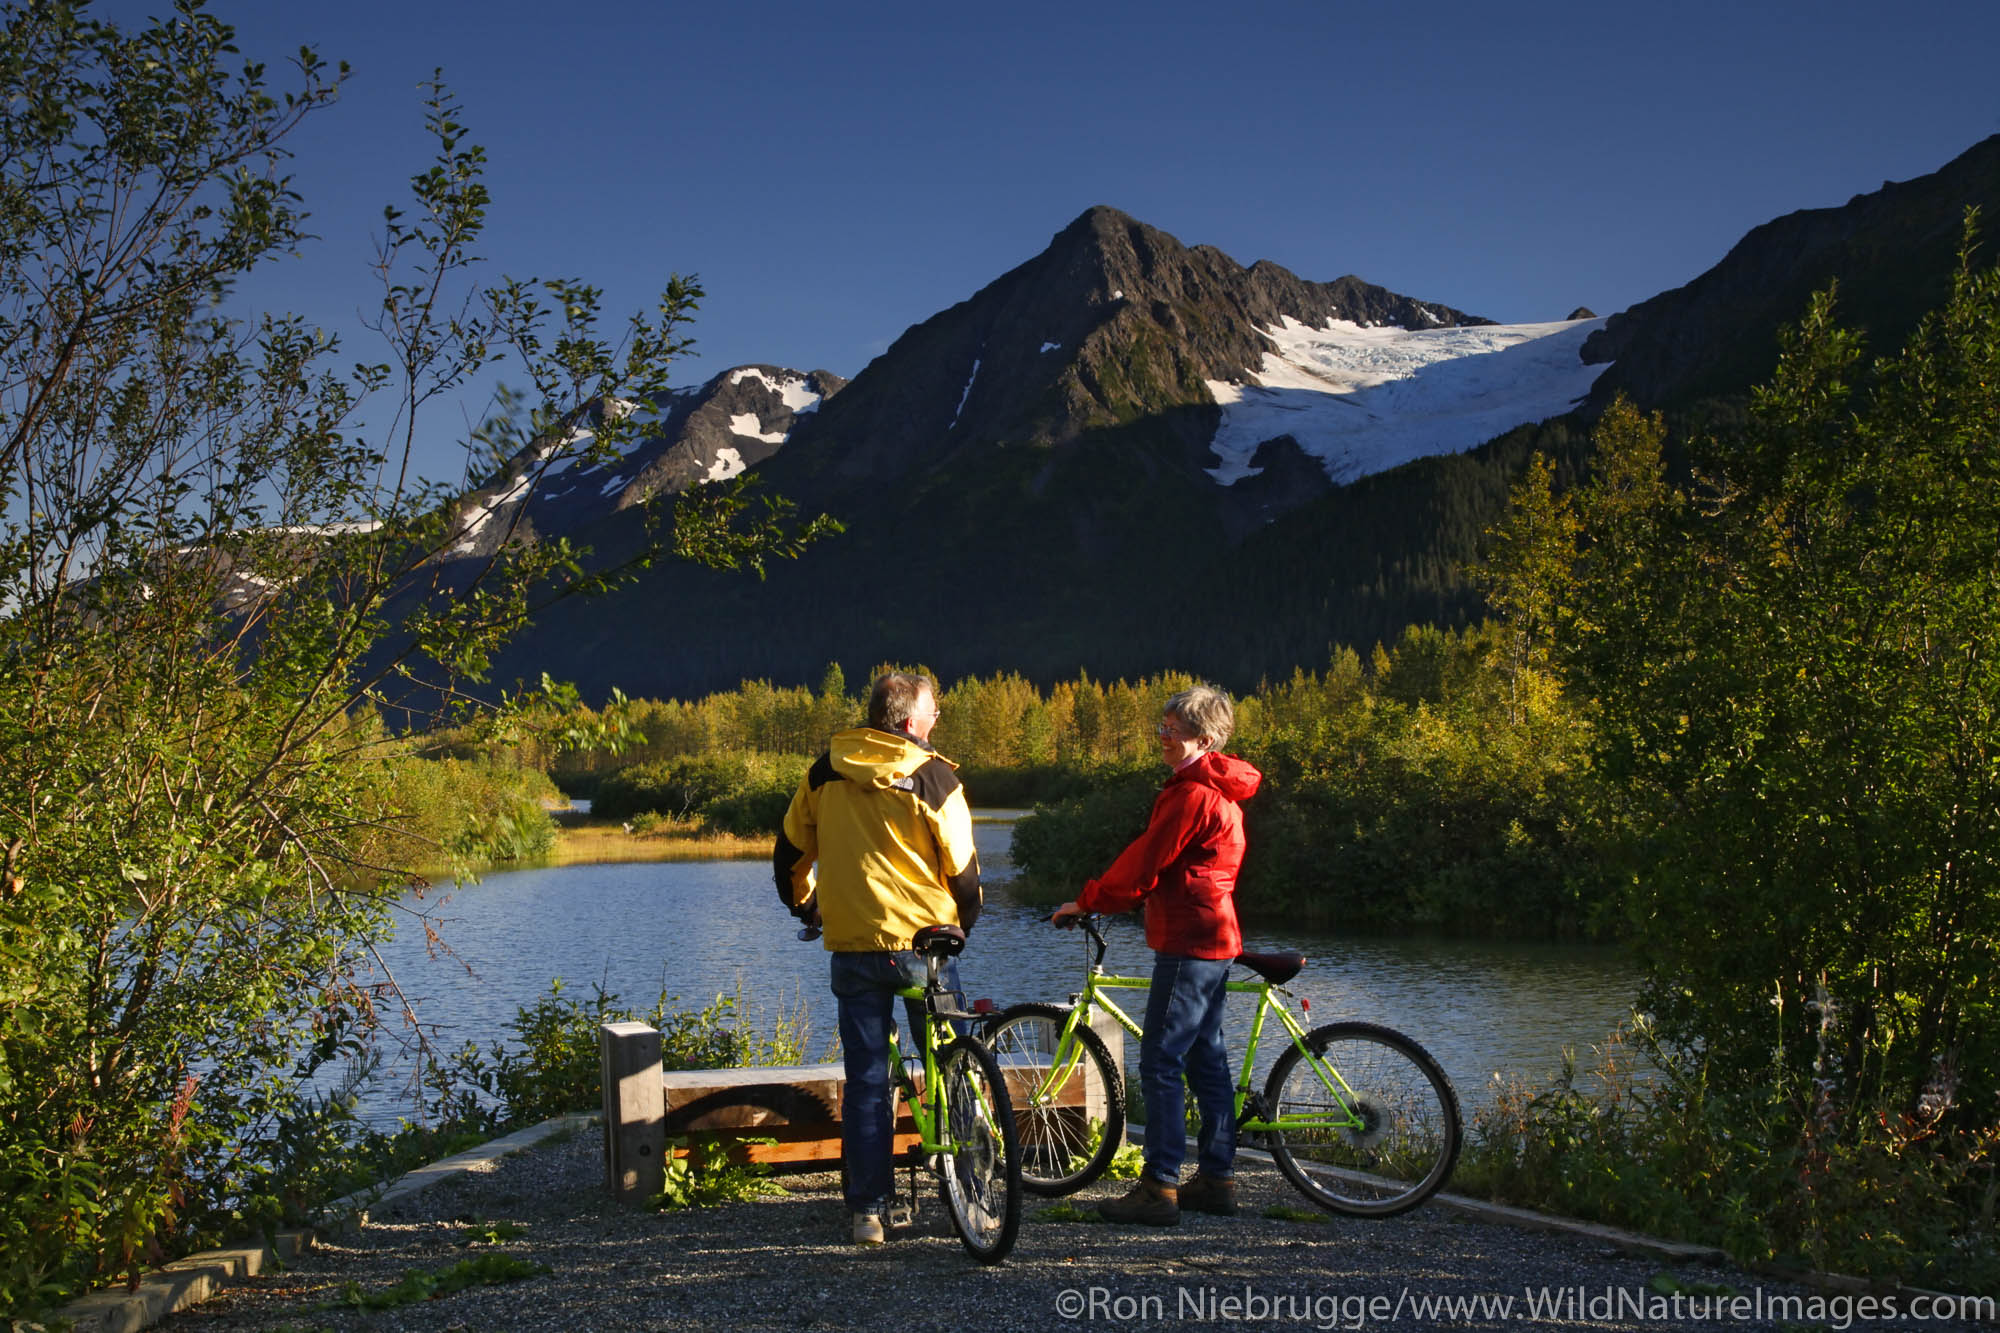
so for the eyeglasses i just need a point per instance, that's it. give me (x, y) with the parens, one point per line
(1167, 731)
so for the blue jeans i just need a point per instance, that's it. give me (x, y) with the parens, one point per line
(865, 985)
(1184, 1037)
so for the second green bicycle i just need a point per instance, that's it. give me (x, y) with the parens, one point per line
(1359, 1118)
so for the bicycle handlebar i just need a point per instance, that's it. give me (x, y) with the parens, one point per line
(1087, 920)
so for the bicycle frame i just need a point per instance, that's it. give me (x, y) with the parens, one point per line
(931, 1114)
(1097, 981)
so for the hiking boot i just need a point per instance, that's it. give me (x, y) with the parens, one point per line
(1210, 1194)
(868, 1229)
(1150, 1204)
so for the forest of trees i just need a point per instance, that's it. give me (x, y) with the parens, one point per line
(1434, 784)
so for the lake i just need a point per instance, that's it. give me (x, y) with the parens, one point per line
(696, 929)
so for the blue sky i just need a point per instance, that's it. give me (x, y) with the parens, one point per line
(837, 173)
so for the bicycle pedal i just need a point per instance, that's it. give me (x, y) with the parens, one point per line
(901, 1213)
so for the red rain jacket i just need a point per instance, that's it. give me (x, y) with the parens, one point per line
(1184, 865)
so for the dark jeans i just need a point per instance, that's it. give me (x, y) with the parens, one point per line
(865, 986)
(1184, 1036)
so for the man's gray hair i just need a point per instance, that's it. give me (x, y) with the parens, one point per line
(1206, 712)
(894, 698)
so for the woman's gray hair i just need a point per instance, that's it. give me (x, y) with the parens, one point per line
(1206, 711)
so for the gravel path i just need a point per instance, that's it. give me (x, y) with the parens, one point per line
(781, 1263)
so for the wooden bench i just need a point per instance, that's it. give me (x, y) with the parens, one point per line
(796, 1107)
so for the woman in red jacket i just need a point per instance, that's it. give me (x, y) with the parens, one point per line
(1183, 867)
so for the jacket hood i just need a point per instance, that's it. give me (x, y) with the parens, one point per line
(1237, 779)
(879, 758)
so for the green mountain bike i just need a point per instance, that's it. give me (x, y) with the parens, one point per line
(1359, 1118)
(964, 1120)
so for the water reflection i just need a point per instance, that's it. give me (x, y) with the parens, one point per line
(693, 929)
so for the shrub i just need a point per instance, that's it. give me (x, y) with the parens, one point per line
(550, 1065)
(738, 792)
(441, 814)
(1773, 1172)
(1059, 846)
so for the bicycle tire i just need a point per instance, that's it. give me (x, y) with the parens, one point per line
(981, 1172)
(1400, 1157)
(1064, 1145)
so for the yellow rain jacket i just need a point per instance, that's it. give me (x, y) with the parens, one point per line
(886, 820)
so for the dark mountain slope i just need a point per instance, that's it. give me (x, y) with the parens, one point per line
(1892, 253)
(705, 432)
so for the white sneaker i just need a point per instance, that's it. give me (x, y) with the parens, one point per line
(868, 1229)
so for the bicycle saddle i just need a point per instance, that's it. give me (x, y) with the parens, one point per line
(1276, 968)
(944, 941)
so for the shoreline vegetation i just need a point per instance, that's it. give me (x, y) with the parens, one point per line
(590, 841)
(1431, 786)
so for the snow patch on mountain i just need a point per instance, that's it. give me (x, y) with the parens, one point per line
(477, 514)
(791, 390)
(1364, 400)
(747, 423)
(727, 464)
(966, 394)
(328, 529)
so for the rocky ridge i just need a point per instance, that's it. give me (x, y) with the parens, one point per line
(1890, 253)
(1113, 322)
(706, 432)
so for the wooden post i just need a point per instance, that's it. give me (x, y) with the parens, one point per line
(635, 1139)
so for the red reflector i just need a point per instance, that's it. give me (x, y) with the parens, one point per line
(982, 1006)
(1305, 1004)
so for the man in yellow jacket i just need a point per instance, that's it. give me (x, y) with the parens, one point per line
(885, 819)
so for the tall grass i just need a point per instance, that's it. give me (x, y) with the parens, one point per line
(1780, 1175)
(645, 839)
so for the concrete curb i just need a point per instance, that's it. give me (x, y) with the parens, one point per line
(1630, 1242)
(180, 1284)
(192, 1280)
(351, 1211)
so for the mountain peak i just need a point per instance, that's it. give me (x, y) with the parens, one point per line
(1114, 323)
(1100, 218)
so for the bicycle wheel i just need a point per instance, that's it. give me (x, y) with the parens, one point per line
(982, 1168)
(1068, 1099)
(1401, 1133)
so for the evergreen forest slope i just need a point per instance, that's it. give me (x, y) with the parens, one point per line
(1025, 479)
